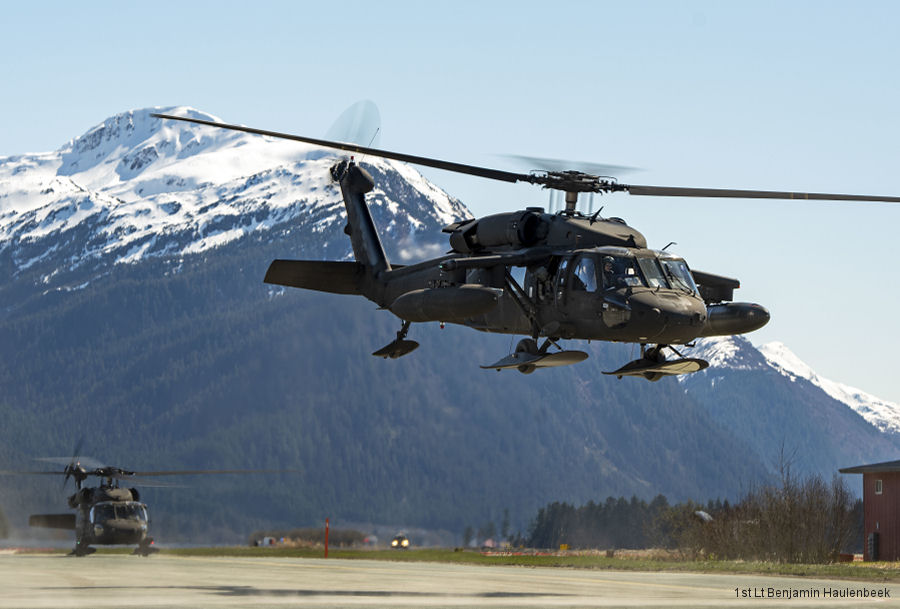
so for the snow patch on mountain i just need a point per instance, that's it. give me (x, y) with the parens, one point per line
(736, 353)
(136, 186)
(882, 414)
(730, 352)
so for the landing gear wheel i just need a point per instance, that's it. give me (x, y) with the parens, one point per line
(528, 357)
(654, 354)
(145, 548)
(399, 347)
(81, 550)
(653, 365)
(527, 345)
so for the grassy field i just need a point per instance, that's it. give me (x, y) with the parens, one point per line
(621, 561)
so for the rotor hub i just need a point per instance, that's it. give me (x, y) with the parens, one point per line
(574, 181)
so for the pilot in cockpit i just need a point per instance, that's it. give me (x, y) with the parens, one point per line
(610, 277)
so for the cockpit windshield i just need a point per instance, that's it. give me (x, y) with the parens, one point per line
(619, 269)
(126, 510)
(679, 274)
(102, 512)
(131, 510)
(653, 273)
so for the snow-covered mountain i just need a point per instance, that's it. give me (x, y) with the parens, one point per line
(132, 310)
(882, 414)
(789, 415)
(136, 186)
(736, 353)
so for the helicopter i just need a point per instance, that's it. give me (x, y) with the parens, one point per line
(107, 514)
(585, 277)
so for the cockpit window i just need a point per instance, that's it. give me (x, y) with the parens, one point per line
(679, 275)
(618, 272)
(653, 273)
(584, 275)
(101, 512)
(131, 510)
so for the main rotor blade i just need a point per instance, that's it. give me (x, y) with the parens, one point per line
(77, 451)
(484, 172)
(13, 472)
(561, 180)
(668, 191)
(123, 475)
(86, 462)
(159, 484)
(192, 472)
(540, 163)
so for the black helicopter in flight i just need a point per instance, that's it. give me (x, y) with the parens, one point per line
(107, 514)
(586, 277)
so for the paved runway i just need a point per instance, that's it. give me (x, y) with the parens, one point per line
(169, 581)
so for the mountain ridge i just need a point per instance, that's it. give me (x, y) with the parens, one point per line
(145, 187)
(788, 420)
(738, 353)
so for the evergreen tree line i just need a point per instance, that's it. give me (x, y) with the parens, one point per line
(798, 520)
(615, 523)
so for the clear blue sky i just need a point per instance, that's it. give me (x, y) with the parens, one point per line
(768, 95)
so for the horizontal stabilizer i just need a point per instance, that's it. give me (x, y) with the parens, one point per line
(537, 360)
(320, 275)
(52, 521)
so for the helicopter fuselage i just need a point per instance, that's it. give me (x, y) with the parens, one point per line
(529, 272)
(567, 295)
(104, 515)
(109, 516)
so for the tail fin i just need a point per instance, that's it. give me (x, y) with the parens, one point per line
(355, 183)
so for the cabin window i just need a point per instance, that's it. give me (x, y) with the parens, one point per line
(561, 272)
(518, 274)
(878, 487)
(585, 275)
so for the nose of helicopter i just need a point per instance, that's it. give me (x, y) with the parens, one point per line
(666, 317)
(120, 531)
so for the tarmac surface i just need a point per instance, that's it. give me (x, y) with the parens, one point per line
(173, 581)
